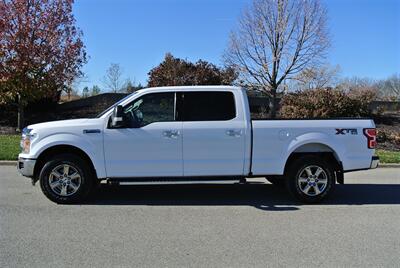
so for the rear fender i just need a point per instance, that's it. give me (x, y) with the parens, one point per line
(316, 138)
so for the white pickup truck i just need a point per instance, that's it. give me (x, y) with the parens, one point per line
(193, 134)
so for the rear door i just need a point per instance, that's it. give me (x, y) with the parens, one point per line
(213, 134)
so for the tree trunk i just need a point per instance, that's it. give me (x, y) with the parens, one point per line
(272, 104)
(20, 123)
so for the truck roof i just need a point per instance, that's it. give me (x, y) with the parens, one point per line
(194, 88)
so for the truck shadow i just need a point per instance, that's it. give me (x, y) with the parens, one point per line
(259, 195)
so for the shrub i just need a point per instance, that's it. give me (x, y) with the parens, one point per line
(381, 135)
(388, 135)
(326, 103)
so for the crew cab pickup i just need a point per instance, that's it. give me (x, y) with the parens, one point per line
(193, 134)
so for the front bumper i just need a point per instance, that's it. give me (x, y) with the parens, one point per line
(374, 162)
(26, 166)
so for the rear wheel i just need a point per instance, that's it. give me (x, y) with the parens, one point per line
(66, 179)
(310, 179)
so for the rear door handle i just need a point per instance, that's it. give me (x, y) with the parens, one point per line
(173, 134)
(234, 133)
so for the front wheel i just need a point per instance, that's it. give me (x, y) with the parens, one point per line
(310, 179)
(66, 179)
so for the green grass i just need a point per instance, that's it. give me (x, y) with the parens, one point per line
(9, 150)
(9, 147)
(388, 156)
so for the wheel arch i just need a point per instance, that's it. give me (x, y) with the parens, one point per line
(61, 149)
(320, 149)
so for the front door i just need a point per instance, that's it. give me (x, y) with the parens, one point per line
(151, 143)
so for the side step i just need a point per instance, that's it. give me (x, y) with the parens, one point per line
(166, 181)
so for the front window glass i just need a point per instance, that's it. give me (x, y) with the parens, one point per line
(114, 105)
(150, 108)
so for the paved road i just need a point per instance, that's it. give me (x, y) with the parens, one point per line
(203, 225)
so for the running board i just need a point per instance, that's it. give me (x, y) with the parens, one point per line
(173, 181)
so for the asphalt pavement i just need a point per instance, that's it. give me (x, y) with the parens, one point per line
(252, 225)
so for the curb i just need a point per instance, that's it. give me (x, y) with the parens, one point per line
(14, 163)
(8, 163)
(389, 165)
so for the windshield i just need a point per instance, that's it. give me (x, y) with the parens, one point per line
(115, 104)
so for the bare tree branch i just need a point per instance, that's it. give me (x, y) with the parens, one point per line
(390, 88)
(316, 77)
(276, 40)
(113, 78)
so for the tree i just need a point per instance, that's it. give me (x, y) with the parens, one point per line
(275, 40)
(113, 78)
(41, 50)
(128, 86)
(316, 77)
(138, 87)
(355, 83)
(390, 88)
(178, 72)
(95, 90)
(85, 92)
(71, 87)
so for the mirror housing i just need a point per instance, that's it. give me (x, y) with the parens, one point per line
(117, 117)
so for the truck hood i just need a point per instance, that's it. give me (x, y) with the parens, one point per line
(67, 126)
(60, 123)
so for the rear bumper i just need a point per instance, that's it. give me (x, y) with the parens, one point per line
(26, 166)
(374, 162)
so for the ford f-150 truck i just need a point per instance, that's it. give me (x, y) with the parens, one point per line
(193, 134)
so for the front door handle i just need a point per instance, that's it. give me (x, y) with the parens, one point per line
(234, 133)
(173, 134)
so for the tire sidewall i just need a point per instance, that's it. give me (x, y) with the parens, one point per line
(80, 165)
(297, 167)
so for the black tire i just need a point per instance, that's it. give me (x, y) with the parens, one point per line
(317, 188)
(75, 164)
(278, 181)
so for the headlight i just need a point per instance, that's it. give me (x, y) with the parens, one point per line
(27, 137)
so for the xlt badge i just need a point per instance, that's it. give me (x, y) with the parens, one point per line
(344, 131)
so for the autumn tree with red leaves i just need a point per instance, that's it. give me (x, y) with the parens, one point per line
(41, 50)
(179, 72)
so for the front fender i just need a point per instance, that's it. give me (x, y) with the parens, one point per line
(90, 146)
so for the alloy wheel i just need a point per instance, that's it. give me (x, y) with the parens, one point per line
(312, 180)
(65, 180)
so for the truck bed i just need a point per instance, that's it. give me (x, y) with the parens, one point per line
(275, 140)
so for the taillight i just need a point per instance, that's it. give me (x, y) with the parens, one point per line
(370, 133)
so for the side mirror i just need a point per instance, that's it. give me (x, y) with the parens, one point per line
(117, 118)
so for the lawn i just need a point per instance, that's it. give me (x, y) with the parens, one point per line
(388, 156)
(9, 147)
(9, 150)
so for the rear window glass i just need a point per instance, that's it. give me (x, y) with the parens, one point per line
(209, 106)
